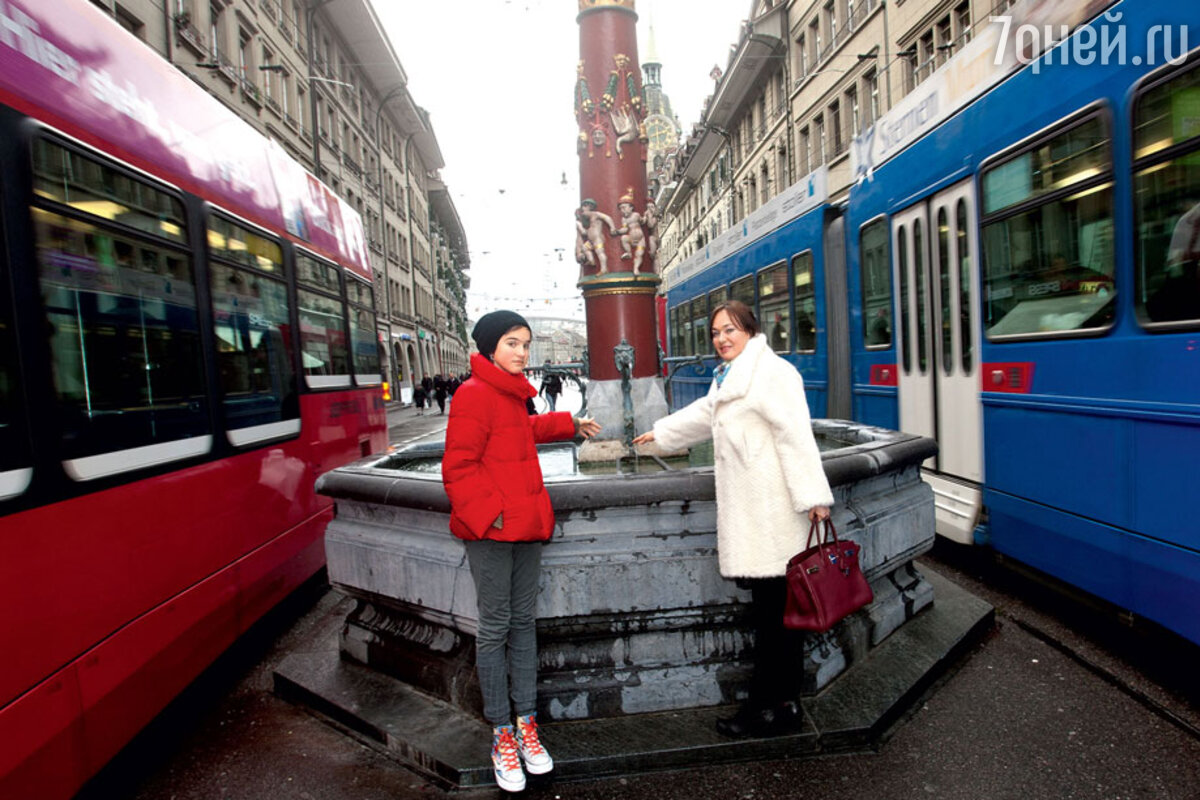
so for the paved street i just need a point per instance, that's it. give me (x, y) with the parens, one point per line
(1059, 700)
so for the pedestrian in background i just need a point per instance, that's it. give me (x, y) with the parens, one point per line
(439, 393)
(500, 509)
(769, 484)
(551, 389)
(419, 398)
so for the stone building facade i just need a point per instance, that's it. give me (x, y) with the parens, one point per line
(321, 78)
(804, 78)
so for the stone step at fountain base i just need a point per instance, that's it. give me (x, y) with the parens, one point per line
(444, 743)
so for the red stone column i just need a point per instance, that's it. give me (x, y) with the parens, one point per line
(618, 282)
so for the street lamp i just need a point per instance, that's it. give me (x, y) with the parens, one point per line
(310, 11)
(392, 93)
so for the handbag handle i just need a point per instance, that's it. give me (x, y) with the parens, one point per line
(829, 531)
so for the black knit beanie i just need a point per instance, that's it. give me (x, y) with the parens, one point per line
(492, 326)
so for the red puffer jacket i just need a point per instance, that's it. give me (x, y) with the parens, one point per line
(491, 463)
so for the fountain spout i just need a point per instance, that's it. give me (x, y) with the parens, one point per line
(623, 355)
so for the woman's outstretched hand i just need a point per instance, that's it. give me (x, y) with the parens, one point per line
(648, 436)
(586, 427)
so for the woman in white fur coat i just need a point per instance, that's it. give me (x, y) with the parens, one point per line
(769, 485)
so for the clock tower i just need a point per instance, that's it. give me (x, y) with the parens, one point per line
(662, 128)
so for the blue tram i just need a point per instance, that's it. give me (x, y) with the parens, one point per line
(1020, 279)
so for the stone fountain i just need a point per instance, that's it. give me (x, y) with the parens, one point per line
(636, 626)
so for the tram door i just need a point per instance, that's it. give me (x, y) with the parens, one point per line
(935, 256)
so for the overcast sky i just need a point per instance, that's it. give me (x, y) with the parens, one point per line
(497, 77)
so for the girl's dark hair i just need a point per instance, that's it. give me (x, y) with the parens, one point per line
(739, 313)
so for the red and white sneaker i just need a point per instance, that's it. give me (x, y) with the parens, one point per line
(537, 760)
(506, 759)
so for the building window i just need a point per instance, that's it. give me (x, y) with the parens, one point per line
(805, 151)
(853, 110)
(962, 17)
(216, 30)
(802, 52)
(814, 36)
(945, 41)
(819, 133)
(872, 85)
(269, 76)
(130, 23)
(925, 54)
(766, 185)
(245, 57)
(835, 121)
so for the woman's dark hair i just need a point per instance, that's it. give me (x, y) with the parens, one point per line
(739, 313)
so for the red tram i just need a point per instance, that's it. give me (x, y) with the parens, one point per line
(187, 339)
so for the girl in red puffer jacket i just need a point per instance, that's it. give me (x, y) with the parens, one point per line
(501, 510)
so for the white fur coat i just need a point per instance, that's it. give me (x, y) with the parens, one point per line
(767, 468)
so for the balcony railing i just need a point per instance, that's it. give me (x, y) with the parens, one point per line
(189, 35)
(251, 92)
(351, 164)
(226, 68)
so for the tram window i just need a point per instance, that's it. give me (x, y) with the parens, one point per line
(677, 327)
(806, 303)
(1167, 201)
(943, 251)
(252, 320)
(902, 255)
(101, 190)
(235, 244)
(322, 338)
(317, 274)
(700, 340)
(255, 360)
(364, 341)
(964, 287)
(742, 289)
(124, 345)
(1049, 263)
(876, 285)
(1064, 160)
(324, 353)
(922, 283)
(718, 296)
(774, 307)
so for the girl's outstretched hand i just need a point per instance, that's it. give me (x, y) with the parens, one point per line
(586, 427)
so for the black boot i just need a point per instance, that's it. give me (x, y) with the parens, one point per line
(757, 722)
(746, 722)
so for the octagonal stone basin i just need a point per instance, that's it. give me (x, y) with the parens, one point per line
(633, 615)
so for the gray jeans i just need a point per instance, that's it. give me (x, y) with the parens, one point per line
(506, 586)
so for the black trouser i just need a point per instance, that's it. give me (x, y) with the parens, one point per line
(776, 649)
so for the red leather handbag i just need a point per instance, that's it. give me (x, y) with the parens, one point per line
(825, 582)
